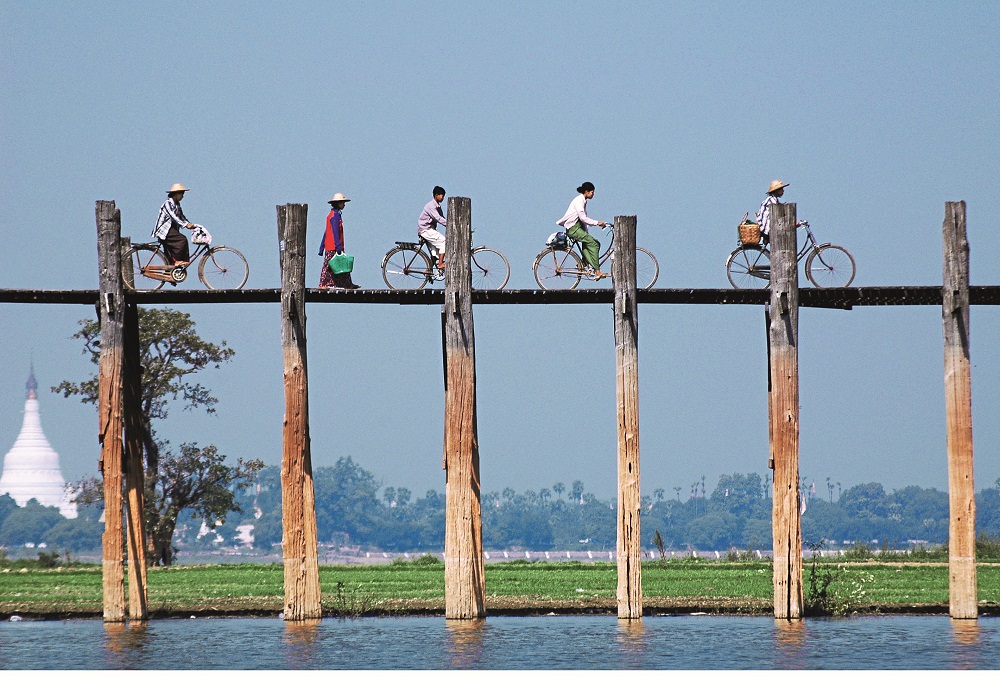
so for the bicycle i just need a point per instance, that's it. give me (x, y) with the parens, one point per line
(408, 266)
(827, 265)
(560, 267)
(145, 268)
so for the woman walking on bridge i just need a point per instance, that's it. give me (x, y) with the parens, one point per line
(332, 244)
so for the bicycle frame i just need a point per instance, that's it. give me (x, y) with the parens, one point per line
(808, 245)
(164, 271)
(574, 246)
(424, 246)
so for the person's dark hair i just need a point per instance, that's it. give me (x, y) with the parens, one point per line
(585, 187)
(438, 190)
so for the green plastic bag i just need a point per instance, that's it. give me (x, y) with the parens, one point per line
(341, 263)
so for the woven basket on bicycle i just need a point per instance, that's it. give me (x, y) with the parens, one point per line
(749, 233)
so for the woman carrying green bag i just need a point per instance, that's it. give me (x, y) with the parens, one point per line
(337, 265)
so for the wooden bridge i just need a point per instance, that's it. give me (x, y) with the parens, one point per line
(835, 298)
(119, 426)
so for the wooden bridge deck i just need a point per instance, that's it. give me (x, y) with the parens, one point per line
(836, 298)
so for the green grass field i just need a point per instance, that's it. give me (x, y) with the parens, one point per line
(685, 585)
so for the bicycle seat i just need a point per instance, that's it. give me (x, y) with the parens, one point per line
(407, 245)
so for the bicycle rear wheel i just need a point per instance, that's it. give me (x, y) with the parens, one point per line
(830, 266)
(133, 265)
(749, 266)
(647, 269)
(406, 269)
(223, 268)
(557, 270)
(490, 269)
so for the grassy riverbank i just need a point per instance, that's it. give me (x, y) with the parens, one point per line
(511, 588)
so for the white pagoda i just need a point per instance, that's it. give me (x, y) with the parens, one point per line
(31, 467)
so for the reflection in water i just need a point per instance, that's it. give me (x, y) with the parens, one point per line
(301, 638)
(632, 642)
(465, 642)
(967, 635)
(789, 643)
(123, 643)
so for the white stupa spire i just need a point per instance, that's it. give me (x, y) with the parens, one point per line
(31, 467)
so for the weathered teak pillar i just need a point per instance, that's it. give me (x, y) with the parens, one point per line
(111, 308)
(135, 500)
(767, 333)
(963, 590)
(784, 414)
(626, 314)
(298, 500)
(464, 578)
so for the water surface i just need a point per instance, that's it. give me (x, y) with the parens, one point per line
(507, 643)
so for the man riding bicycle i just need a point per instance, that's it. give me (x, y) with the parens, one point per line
(427, 225)
(774, 194)
(168, 224)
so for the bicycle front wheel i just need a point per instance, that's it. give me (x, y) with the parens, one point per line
(557, 270)
(490, 269)
(134, 271)
(406, 269)
(830, 266)
(749, 266)
(223, 268)
(647, 269)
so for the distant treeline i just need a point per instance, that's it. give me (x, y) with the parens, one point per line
(352, 508)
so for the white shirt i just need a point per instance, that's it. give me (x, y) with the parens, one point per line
(431, 216)
(577, 211)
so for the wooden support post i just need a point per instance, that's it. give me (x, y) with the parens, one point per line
(963, 588)
(784, 414)
(111, 309)
(767, 333)
(464, 577)
(298, 500)
(135, 500)
(626, 319)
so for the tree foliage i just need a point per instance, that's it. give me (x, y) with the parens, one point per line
(170, 353)
(352, 509)
(193, 478)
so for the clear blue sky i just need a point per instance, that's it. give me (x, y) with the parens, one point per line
(679, 112)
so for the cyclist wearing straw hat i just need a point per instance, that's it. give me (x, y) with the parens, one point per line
(774, 193)
(167, 228)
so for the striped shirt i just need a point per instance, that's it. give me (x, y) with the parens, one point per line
(764, 214)
(171, 216)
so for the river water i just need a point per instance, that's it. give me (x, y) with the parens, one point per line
(507, 643)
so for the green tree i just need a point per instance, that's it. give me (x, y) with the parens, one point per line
(7, 507)
(77, 534)
(987, 510)
(197, 478)
(170, 352)
(716, 530)
(346, 501)
(29, 523)
(739, 494)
